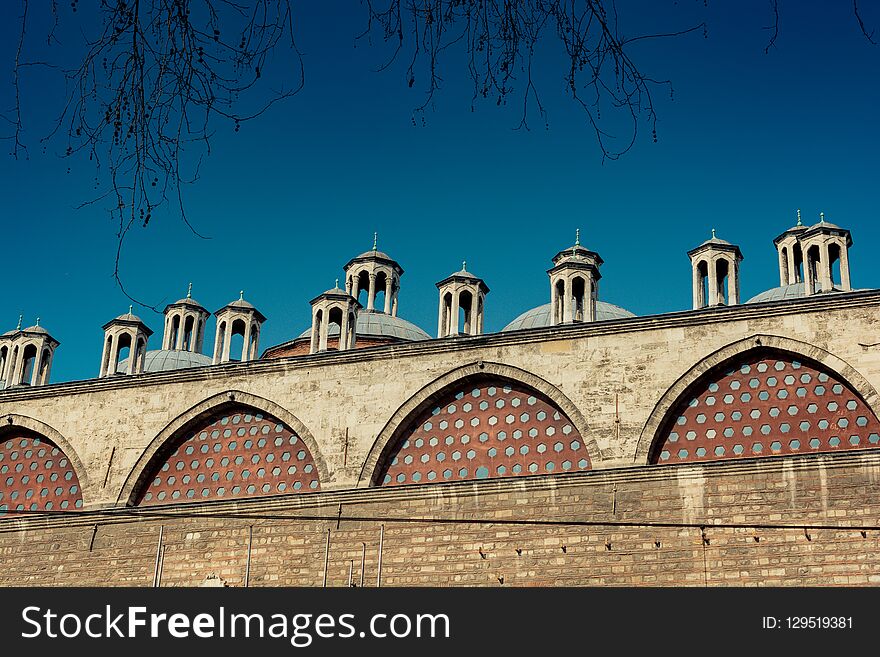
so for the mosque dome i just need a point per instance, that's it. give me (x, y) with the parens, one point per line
(540, 316)
(377, 324)
(783, 292)
(165, 360)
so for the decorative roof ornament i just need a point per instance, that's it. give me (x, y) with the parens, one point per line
(336, 284)
(18, 328)
(799, 217)
(464, 265)
(375, 241)
(821, 217)
(189, 291)
(713, 234)
(241, 295)
(130, 308)
(577, 236)
(37, 323)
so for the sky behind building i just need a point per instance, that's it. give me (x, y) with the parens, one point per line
(747, 140)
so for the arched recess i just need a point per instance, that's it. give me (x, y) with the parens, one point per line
(197, 419)
(508, 381)
(774, 396)
(49, 468)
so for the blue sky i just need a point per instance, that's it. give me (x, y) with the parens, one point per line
(749, 138)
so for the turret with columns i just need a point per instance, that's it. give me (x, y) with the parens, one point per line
(711, 263)
(791, 256)
(574, 284)
(375, 272)
(127, 331)
(26, 356)
(824, 244)
(185, 324)
(335, 306)
(461, 291)
(238, 318)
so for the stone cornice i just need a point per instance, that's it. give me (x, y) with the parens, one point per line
(689, 318)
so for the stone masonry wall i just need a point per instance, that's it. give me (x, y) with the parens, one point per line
(794, 520)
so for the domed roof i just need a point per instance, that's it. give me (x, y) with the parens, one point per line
(165, 360)
(36, 328)
(128, 317)
(716, 240)
(793, 291)
(380, 324)
(372, 253)
(540, 316)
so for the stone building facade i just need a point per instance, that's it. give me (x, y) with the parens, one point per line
(729, 444)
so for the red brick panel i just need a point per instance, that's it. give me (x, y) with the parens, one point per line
(766, 404)
(482, 431)
(35, 475)
(240, 452)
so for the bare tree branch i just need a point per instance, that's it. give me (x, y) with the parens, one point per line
(142, 99)
(500, 38)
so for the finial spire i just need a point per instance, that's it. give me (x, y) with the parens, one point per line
(18, 328)
(464, 265)
(189, 291)
(241, 295)
(577, 236)
(375, 241)
(37, 323)
(821, 217)
(336, 284)
(713, 234)
(130, 308)
(799, 217)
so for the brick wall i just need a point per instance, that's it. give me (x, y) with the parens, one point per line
(794, 520)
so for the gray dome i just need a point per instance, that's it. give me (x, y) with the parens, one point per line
(36, 329)
(380, 324)
(793, 291)
(540, 316)
(165, 360)
(374, 254)
(128, 317)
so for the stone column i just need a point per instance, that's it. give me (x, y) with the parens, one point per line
(784, 266)
(178, 340)
(166, 334)
(825, 268)
(733, 283)
(441, 317)
(313, 347)
(227, 339)
(845, 283)
(453, 313)
(371, 294)
(713, 282)
(325, 330)
(217, 342)
(343, 333)
(246, 346)
(474, 319)
(699, 302)
(389, 283)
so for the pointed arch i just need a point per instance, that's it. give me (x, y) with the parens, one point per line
(34, 431)
(202, 415)
(795, 350)
(489, 374)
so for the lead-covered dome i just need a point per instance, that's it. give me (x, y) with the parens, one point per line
(540, 316)
(378, 324)
(166, 360)
(793, 291)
